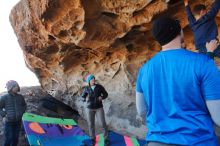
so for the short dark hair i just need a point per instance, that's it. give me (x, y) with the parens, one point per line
(165, 29)
(198, 8)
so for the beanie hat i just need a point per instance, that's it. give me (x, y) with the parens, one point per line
(89, 77)
(10, 84)
(165, 29)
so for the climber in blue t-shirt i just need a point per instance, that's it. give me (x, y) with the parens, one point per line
(203, 25)
(178, 91)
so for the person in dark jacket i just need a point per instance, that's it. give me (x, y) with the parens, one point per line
(93, 95)
(203, 25)
(12, 107)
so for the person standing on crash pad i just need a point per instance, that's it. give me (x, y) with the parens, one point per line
(12, 107)
(93, 95)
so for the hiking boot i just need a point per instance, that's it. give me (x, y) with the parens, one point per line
(93, 141)
(107, 142)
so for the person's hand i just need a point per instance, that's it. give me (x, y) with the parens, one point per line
(212, 45)
(186, 2)
(4, 120)
(87, 99)
(100, 98)
(139, 118)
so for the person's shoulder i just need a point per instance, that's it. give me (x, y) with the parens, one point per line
(99, 86)
(144, 65)
(204, 19)
(152, 60)
(4, 96)
(20, 95)
(201, 56)
(147, 63)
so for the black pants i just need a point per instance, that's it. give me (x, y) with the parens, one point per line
(12, 130)
(91, 121)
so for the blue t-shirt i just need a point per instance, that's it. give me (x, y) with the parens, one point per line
(176, 84)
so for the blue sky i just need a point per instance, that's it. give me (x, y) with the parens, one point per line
(11, 57)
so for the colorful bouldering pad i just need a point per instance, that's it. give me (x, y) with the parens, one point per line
(46, 131)
(116, 139)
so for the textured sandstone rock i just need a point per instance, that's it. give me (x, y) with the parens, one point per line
(64, 39)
